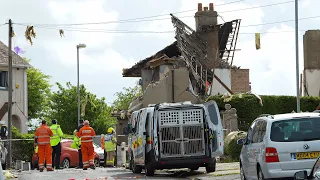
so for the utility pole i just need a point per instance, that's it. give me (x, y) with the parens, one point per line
(297, 56)
(78, 86)
(10, 94)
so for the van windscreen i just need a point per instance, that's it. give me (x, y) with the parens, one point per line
(296, 129)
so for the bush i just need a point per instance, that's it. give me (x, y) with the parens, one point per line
(248, 107)
(23, 150)
(231, 149)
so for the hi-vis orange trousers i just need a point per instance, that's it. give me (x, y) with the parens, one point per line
(45, 154)
(87, 154)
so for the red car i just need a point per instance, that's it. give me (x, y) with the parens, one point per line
(69, 156)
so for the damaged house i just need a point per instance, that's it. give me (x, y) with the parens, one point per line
(197, 65)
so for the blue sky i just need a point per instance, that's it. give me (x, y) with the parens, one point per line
(272, 68)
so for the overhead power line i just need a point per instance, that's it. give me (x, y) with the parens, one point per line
(144, 19)
(157, 32)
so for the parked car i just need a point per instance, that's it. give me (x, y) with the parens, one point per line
(100, 152)
(69, 156)
(314, 175)
(277, 146)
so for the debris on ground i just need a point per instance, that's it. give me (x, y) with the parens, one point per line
(9, 175)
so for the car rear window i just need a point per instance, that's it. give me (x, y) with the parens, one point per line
(296, 129)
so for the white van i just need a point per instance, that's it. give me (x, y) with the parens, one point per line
(175, 135)
(277, 146)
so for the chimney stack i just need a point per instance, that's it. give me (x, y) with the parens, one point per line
(206, 21)
(199, 6)
(211, 7)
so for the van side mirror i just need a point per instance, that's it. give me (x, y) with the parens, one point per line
(241, 141)
(301, 175)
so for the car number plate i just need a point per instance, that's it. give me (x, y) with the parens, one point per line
(307, 155)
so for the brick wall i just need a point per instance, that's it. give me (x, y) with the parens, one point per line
(240, 82)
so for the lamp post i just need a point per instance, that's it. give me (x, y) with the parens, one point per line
(297, 55)
(78, 85)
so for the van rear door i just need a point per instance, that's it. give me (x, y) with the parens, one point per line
(215, 126)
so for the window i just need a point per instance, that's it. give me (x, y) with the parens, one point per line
(262, 131)
(250, 133)
(213, 113)
(3, 79)
(255, 132)
(296, 129)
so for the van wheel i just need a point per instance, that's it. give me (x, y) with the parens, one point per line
(136, 169)
(211, 167)
(131, 162)
(149, 170)
(260, 174)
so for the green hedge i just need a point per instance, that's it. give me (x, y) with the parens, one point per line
(248, 107)
(23, 150)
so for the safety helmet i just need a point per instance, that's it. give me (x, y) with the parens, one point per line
(110, 130)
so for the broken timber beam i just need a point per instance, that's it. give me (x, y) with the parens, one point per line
(223, 84)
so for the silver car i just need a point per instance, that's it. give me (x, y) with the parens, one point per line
(277, 146)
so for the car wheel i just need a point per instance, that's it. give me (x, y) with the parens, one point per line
(4, 166)
(97, 162)
(136, 169)
(242, 176)
(66, 163)
(260, 174)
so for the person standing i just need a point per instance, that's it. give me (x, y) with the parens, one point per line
(55, 143)
(42, 140)
(87, 133)
(110, 144)
(79, 150)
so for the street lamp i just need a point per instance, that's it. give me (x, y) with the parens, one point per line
(78, 85)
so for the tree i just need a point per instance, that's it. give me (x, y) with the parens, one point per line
(125, 97)
(38, 93)
(64, 108)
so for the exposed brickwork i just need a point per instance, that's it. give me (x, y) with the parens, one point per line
(240, 82)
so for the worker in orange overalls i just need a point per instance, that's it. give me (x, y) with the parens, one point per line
(86, 133)
(42, 140)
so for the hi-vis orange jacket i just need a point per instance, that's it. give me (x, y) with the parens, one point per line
(86, 134)
(43, 134)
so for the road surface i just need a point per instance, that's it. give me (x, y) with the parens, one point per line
(224, 171)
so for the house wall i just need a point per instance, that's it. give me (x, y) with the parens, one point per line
(225, 76)
(161, 91)
(235, 79)
(240, 82)
(311, 80)
(311, 48)
(19, 97)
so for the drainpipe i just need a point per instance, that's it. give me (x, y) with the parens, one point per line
(172, 84)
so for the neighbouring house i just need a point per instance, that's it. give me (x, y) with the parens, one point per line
(19, 85)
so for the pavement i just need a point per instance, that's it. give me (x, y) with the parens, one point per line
(224, 171)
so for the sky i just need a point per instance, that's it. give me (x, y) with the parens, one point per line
(272, 68)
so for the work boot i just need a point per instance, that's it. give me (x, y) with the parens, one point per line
(85, 168)
(49, 169)
(93, 167)
(41, 170)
